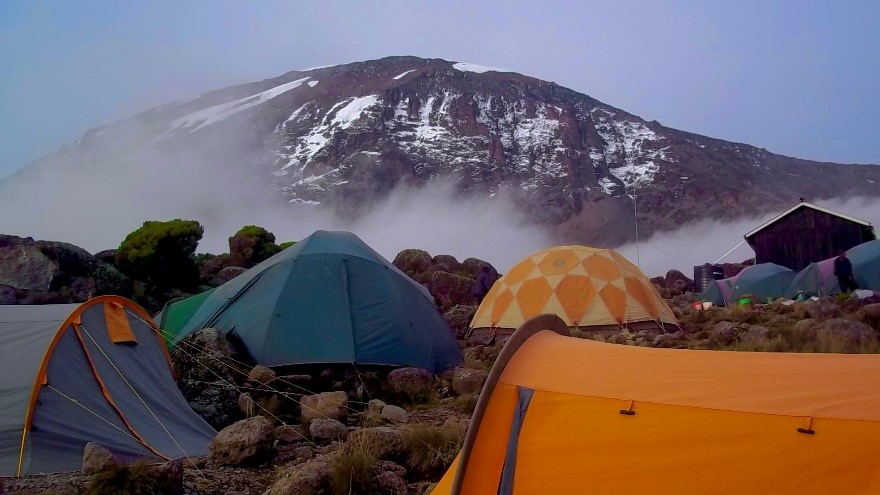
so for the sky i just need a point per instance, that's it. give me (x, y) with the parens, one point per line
(796, 77)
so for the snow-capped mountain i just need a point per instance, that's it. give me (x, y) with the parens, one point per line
(346, 135)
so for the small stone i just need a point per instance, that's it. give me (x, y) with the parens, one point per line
(96, 458)
(261, 374)
(395, 414)
(325, 430)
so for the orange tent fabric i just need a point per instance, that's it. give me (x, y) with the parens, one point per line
(603, 418)
(586, 287)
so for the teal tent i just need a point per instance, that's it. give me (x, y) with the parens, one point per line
(177, 312)
(865, 259)
(763, 281)
(817, 279)
(718, 291)
(330, 299)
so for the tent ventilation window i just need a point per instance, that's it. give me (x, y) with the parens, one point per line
(118, 327)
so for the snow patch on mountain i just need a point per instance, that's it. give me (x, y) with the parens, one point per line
(353, 110)
(479, 69)
(630, 152)
(312, 84)
(400, 76)
(211, 115)
(309, 142)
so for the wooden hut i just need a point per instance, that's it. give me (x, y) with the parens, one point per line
(806, 233)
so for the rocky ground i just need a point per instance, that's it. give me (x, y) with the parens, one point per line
(348, 431)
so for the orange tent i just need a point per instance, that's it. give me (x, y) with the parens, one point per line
(586, 287)
(565, 415)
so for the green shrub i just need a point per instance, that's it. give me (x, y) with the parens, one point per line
(162, 253)
(251, 245)
(431, 449)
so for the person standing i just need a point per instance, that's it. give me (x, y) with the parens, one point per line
(484, 282)
(843, 271)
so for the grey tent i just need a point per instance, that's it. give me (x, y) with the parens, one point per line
(92, 372)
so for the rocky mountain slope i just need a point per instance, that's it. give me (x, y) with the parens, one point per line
(345, 136)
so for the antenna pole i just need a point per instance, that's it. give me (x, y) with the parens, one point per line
(732, 250)
(636, 218)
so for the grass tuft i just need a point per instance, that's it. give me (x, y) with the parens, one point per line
(431, 448)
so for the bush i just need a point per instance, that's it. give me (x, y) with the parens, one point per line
(162, 253)
(431, 449)
(285, 245)
(251, 245)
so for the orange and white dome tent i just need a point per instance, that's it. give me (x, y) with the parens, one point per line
(586, 287)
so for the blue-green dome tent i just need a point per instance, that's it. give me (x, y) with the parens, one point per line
(763, 281)
(817, 279)
(330, 298)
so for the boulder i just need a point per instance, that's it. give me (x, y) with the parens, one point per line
(445, 263)
(308, 478)
(391, 466)
(226, 274)
(668, 339)
(394, 414)
(824, 309)
(247, 442)
(286, 434)
(303, 452)
(8, 294)
(854, 333)
(414, 382)
(107, 256)
(96, 458)
(468, 381)
(331, 405)
(386, 441)
(24, 266)
(450, 289)
(459, 318)
(723, 333)
(388, 482)
(109, 280)
(261, 374)
(374, 408)
(412, 261)
(202, 362)
(472, 267)
(324, 430)
(675, 280)
(758, 332)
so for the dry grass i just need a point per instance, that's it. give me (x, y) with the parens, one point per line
(476, 364)
(431, 449)
(352, 468)
(137, 479)
(808, 340)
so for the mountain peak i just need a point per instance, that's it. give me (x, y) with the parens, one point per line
(344, 136)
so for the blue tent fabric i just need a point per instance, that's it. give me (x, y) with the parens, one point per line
(330, 299)
(718, 291)
(763, 281)
(865, 259)
(817, 279)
